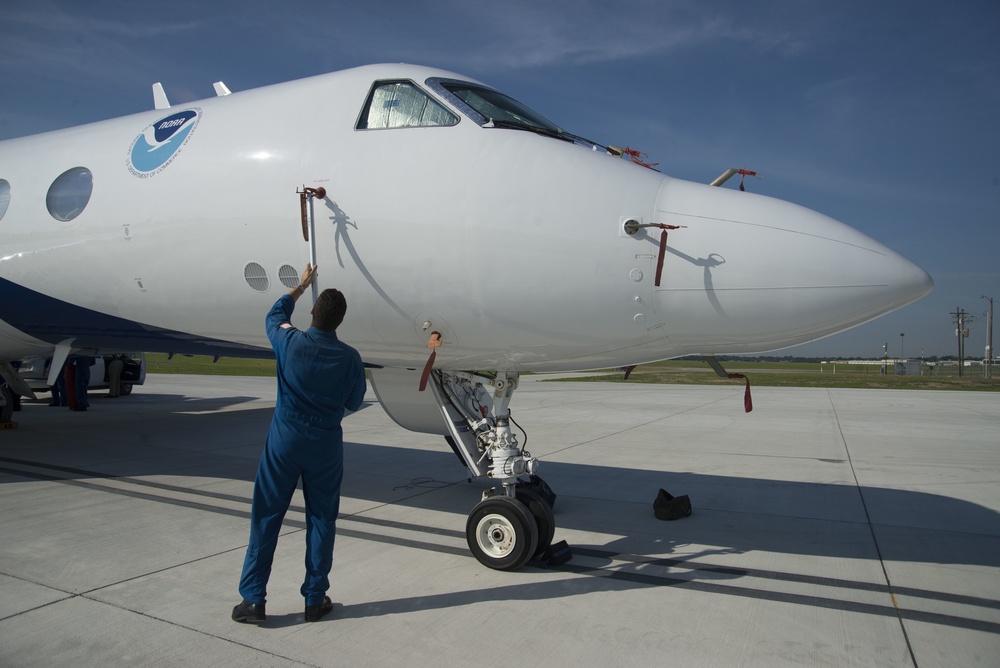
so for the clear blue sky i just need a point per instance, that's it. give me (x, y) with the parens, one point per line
(885, 115)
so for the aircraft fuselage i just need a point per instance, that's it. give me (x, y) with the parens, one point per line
(511, 244)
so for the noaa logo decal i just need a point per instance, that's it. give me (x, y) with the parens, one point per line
(161, 142)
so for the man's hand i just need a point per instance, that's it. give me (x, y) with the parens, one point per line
(308, 275)
(307, 278)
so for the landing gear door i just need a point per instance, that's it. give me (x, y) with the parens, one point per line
(398, 392)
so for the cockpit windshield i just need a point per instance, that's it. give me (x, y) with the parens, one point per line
(492, 109)
(495, 106)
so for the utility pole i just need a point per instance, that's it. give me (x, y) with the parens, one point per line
(989, 339)
(961, 317)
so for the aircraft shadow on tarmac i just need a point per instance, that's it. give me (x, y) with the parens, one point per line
(732, 514)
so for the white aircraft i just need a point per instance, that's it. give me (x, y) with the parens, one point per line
(474, 239)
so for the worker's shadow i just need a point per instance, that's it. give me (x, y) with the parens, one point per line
(342, 239)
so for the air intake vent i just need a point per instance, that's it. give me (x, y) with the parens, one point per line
(256, 277)
(288, 276)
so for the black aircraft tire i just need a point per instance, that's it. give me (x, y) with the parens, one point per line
(502, 533)
(545, 521)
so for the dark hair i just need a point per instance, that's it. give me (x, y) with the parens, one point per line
(329, 310)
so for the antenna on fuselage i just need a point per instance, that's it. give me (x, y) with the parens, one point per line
(730, 173)
(160, 100)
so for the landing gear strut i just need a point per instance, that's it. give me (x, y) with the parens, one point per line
(513, 524)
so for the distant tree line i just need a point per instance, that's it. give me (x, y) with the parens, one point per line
(808, 360)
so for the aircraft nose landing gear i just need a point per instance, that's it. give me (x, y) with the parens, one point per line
(510, 527)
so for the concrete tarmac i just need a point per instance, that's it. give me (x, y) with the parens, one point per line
(830, 528)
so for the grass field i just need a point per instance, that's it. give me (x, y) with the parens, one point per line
(780, 374)
(801, 374)
(201, 365)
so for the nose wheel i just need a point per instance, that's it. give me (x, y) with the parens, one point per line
(502, 533)
(541, 511)
(505, 533)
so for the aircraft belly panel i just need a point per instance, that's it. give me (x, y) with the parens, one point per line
(53, 320)
(15, 343)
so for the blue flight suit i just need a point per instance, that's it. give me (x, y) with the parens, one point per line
(59, 396)
(318, 377)
(82, 364)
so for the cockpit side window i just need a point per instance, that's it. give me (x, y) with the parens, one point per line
(400, 104)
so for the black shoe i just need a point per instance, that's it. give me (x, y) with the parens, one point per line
(249, 612)
(315, 612)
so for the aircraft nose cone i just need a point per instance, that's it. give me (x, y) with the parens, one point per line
(767, 274)
(910, 282)
(885, 280)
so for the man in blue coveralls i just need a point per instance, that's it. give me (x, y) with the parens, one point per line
(318, 377)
